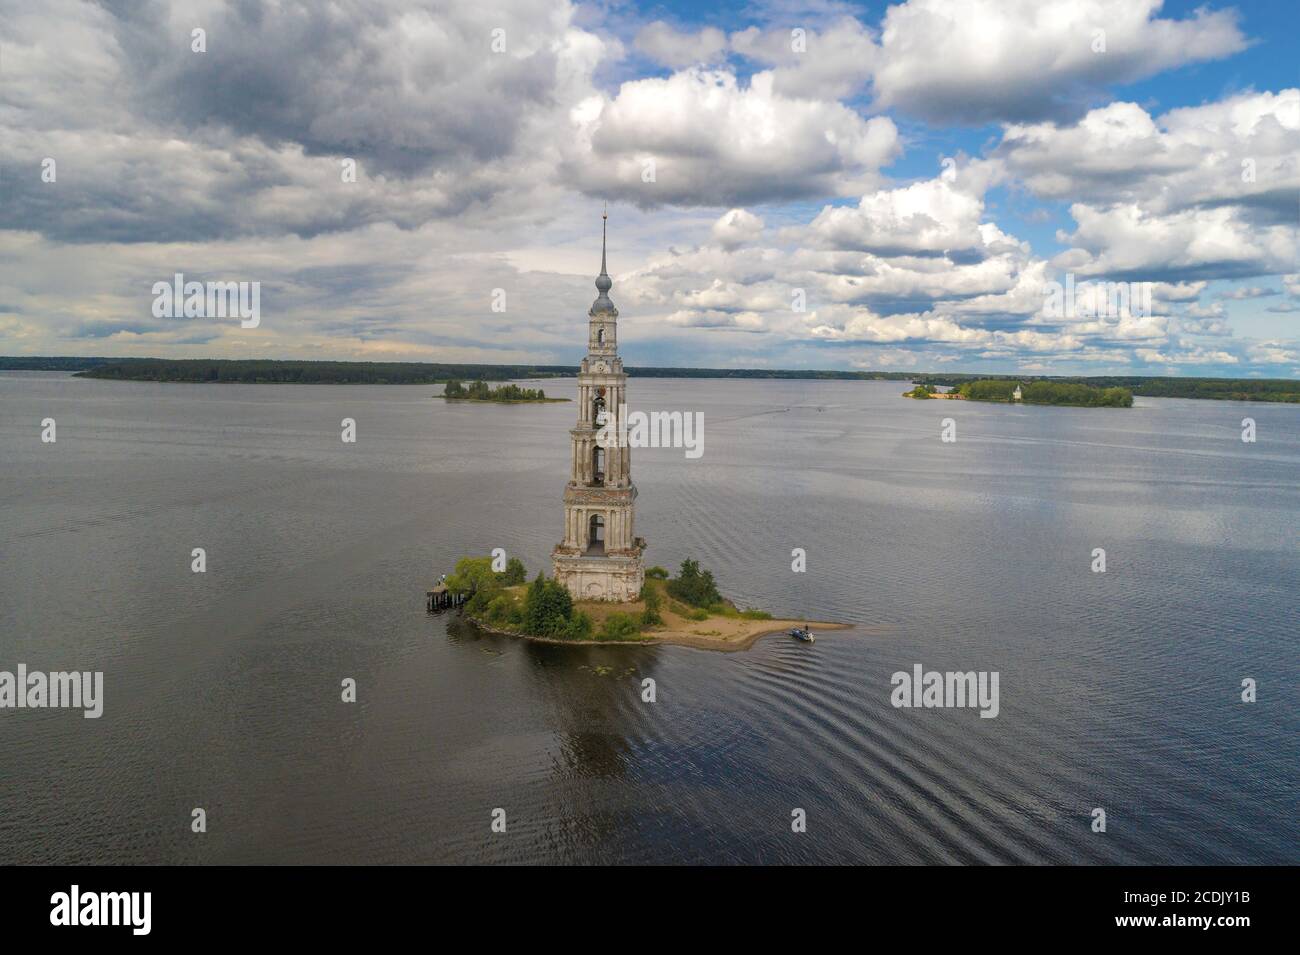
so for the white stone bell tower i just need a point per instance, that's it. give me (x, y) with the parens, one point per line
(600, 556)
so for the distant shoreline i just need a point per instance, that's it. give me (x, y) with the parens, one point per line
(269, 371)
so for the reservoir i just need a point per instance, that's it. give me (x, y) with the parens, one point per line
(1119, 690)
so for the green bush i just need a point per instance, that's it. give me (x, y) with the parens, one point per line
(498, 609)
(482, 599)
(657, 573)
(619, 626)
(756, 615)
(699, 614)
(579, 627)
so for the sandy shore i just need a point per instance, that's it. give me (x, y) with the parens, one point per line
(717, 634)
(712, 638)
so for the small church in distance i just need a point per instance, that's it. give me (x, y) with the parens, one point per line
(600, 556)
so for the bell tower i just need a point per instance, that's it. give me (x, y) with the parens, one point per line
(600, 555)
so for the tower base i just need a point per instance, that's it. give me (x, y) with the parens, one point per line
(612, 577)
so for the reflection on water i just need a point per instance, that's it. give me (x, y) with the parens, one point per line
(1118, 690)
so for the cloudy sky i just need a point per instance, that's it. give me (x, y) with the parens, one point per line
(790, 185)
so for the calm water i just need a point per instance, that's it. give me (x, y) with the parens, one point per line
(1118, 690)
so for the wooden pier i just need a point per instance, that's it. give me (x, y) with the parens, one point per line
(440, 599)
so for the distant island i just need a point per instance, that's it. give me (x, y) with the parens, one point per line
(686, 610)
(481, 391)
(1214, 389)
(257, 371)
(1067, 394)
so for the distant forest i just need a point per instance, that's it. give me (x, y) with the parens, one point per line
(418, 373)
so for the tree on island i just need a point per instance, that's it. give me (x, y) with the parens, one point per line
(514, 573)
(471, 574)
(694, 586)
(474, 575)
(650, 616)
(548, 608)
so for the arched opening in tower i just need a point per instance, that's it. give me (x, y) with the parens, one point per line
(596, 535)
(598, 466)
(600, 336)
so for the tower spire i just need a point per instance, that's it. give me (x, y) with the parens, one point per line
(603, 282)
(604, 217)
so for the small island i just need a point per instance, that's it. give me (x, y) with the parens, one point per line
(481, 391)
(1011, 391)
(686, 610)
